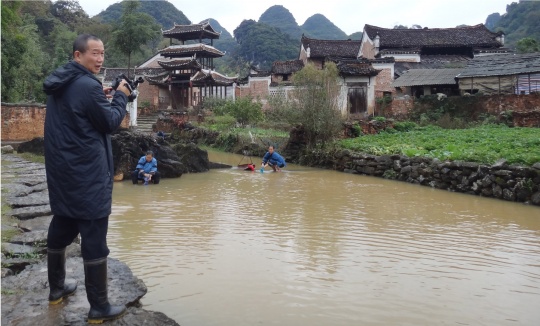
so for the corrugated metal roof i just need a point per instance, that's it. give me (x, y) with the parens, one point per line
(502, 65)
(419, 77)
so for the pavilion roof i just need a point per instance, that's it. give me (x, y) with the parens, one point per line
(185, 50)
(180, 63)
(212, 78)
(191, 32)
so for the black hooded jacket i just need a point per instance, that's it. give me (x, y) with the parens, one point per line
(78, 154)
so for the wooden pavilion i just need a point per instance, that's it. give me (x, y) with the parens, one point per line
(188, 67)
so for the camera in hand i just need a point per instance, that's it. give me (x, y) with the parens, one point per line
(130, 84)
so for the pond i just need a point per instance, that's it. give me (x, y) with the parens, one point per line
(317, 247)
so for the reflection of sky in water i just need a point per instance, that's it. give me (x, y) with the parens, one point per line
(317, 247)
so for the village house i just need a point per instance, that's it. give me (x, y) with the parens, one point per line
(502, 74)
(427, 48)
(357, 95)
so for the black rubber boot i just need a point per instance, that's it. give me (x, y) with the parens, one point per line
(101, 310)
(56, 270)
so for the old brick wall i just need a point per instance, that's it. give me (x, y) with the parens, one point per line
(23, 122)
(383, 82)
(398, 108)
(255, 89)
(148, 93)
(525, 108)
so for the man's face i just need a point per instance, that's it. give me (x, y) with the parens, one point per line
(92, 59)
(148, 158)
(270, 149)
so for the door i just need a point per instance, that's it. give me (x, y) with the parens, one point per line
(357, 100)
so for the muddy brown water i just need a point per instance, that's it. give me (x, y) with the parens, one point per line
(318, 247)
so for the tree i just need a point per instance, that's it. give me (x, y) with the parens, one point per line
(133, 30)
(527, 45)
(315, 102)
(69, 12)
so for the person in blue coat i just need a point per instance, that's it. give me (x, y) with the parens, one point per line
(146, 169)
(79, 168)
(273, 159)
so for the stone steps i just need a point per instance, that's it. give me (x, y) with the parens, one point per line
(145, 122)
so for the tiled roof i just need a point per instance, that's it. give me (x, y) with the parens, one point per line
(419, 77)
(326, 48)
(212, 78)
(356, 68)
(287, 67)
(202, 50)
(469, 36)
(183, 63)
(110, 74)
(192, 32)
(502, 65)
(432, 61)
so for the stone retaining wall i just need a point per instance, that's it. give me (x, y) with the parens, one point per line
(500, 180)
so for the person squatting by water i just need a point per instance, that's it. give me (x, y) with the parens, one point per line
(146, 169)
(273, 159)
(79, 169)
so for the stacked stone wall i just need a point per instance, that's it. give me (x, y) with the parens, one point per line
(514, 183)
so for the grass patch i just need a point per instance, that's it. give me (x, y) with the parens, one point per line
(483, 144)
(32, 157)
(8, 292)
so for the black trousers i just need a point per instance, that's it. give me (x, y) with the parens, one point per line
(63, 230)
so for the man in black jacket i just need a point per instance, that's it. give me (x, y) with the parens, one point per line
(79, 167)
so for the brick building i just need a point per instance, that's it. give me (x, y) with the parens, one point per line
(427, 48)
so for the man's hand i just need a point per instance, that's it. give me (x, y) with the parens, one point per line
(123, 88)
(107, 90)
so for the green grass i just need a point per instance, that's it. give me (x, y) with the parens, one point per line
(32, 157)
(483, 144)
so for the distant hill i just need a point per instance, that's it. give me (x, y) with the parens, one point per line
(520, 20)
(226, 42)
(280, 17)
(262, 44)
(318, 26)
(164, 12)
(356, 36)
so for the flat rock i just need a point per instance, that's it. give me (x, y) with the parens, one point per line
(8, 149)
(18, 249)
(6, 272)
(35, 224)
(26, 213)
(34, 238)
(28, 304)
(16, 189)
(32, 199)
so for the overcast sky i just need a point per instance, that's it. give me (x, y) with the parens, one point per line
(349, 15)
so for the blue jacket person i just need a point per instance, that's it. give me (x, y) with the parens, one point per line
(273, 159)
(79, 168)
(146, 169)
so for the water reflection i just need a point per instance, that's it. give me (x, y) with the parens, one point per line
(317, 247)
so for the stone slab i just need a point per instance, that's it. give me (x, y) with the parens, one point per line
(26, 303)
(26, 213)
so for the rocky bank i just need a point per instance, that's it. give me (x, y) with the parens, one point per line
(24, 268)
